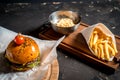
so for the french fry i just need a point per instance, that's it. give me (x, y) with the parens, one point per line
(107, 56)
(95, 50)
(111, 50)
(114, 47)
(101, 51)
(95, 37)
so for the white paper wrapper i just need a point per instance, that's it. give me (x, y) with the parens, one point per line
(48, 54)
(88, 31)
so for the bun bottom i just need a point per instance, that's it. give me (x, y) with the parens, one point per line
(21, 67)
(14, 68)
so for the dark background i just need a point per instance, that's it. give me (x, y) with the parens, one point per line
(13, 1)
(27, 16)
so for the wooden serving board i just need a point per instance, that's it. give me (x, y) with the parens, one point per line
(53, 71)
(75, 44)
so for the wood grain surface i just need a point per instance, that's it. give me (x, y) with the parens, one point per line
(76, 44)
(53, 71)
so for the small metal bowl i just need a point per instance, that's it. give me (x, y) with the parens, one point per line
(55, 17)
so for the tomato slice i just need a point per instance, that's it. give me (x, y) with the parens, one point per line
(19, 39)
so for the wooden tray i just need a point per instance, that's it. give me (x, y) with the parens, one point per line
(75, 44)
(53, 71)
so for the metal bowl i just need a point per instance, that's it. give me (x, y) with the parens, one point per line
(55, 17)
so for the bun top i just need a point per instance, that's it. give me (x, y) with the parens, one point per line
(22, 53)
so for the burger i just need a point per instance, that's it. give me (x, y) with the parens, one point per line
(22, 53)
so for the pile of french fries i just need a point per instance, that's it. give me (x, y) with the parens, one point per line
(102, 45)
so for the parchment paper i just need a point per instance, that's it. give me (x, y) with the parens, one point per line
(47, 50)
(88, 31)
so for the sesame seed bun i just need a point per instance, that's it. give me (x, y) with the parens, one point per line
(23, 53)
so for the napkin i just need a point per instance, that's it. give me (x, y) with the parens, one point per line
(47, 50)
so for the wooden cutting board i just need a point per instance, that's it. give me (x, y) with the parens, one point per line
(53, 71)
(76, 45)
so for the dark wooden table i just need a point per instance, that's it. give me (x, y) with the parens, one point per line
(28, 18)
